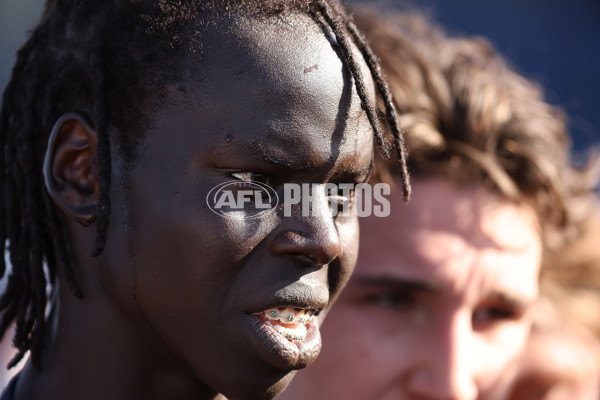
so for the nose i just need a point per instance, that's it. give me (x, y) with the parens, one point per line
(312, 238)
(446, 370)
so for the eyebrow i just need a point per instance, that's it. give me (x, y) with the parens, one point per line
(400, 284)
(264, 153)
(281, 163)
(268, 154)
(515, 302)
(394, 283)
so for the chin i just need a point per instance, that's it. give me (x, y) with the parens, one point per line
(250, 392)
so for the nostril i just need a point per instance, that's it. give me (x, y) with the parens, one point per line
(308, 258)
(310, 249)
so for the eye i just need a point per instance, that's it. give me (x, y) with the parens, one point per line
(251, 177)
(489, 315)
(393, 301)
(341, 197)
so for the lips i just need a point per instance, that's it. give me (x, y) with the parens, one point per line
(285, 330)
(281, 352)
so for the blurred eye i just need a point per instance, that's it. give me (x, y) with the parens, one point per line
(252, 177)
(488, 315)
(392, 301)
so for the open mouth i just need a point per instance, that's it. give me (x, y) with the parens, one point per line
(286, 337)
(289, 322)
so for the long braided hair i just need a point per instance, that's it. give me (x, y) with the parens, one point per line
(95, 57)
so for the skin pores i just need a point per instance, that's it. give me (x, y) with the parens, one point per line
(169, 303)
(438, 305)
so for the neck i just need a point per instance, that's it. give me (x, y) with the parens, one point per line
(91, 353)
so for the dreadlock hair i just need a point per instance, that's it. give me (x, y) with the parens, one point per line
(95, 57)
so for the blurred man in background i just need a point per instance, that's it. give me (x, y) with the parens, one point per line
(444, 296)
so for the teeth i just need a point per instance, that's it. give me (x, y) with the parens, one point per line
(281, 320)
(288, 315)
(291, 334)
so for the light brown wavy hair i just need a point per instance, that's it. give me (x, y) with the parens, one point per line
(470, 117)
(571, 277)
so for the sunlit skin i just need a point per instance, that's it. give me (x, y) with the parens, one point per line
(168, 305)
(438, 305)
(561, 362)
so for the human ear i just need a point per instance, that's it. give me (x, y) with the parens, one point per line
(71, 168)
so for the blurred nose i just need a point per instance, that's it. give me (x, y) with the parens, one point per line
(313, 237)
(446, 368)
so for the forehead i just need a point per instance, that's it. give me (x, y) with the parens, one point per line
(277, 64)
(456, 239)
(272, 85)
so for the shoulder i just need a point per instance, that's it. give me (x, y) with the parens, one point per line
(9, 391)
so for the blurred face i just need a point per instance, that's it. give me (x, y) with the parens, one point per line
(437, 307)
(193, 283)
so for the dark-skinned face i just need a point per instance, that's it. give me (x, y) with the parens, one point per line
(274, 105)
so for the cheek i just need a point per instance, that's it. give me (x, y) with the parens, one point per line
(194, 259)
(348, 232)
(501, 350)
(175, 225)
(380, 340)
(353, 348)
(185, 258)
(187, 262)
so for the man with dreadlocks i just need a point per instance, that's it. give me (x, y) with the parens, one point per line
(119, 119)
